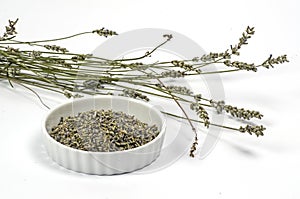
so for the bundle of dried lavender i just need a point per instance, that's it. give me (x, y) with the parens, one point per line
(55, 69)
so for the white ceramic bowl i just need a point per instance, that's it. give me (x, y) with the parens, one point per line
(105, 163)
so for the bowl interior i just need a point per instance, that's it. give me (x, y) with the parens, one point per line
(141, 110)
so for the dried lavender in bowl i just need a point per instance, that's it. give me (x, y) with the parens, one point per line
(103, 131)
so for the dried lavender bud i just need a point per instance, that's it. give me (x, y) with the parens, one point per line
(173, 74)
(271, 61)
(35, 54)
(104, 32)
(257, 130)
(79, 58)
(206, 58)
(219, 106)
(138, 66)
(225, 55)
(133, 94)
(242, 41)
(182, 64)
(135, 66)
(213, 56)
(61, 62)
(201, 112)
(198, 97)
(10, 30)
(241, 65)
(103, 131)
(56, 48)
(194, 147)
(168, 36)
(242, 113)
(234, 111)
(179, 89)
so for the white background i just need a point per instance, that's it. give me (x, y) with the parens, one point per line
(240, 166)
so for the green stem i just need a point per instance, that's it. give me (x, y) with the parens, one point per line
(47, 40)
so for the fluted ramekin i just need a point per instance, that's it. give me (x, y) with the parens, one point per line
(105, 163)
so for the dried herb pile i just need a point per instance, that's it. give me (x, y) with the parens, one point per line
(103, 131)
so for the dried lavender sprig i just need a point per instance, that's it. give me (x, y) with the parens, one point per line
(214, 56)
(56, 48)
(135, 66)
(242, 113)
(251, 129)
(257, 130)
(243, 40)
(10, 30)
(102, 32)
(271, 61)
(241, 65)
(179, 89)
(172, 73)
(185, 66)
(201, 112)
(105, 32)
(176, 89)
(252, 67)
(194, 147)
(182, 64)
(133, 94)
(234, 49)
